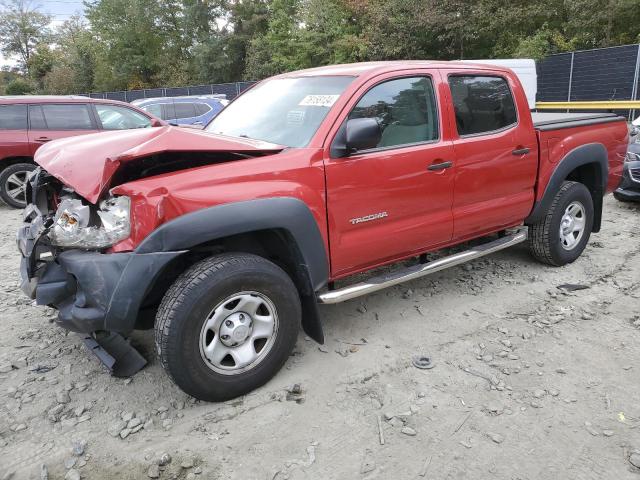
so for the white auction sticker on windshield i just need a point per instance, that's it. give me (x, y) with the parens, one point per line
(319, 100)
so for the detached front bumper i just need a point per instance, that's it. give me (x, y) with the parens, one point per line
(92, 291)
(629, 187)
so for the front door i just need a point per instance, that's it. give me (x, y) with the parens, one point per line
(393, 200)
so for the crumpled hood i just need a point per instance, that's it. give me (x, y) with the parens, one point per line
(87, 163)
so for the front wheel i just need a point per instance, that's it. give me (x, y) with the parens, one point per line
(227, 325)
(13, 184)
(562, 235)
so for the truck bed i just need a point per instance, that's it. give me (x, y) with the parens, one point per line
(555, 121)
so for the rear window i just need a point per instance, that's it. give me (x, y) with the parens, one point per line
(67, 116)
(482, 104)
(185, 110)
(202, 108)
(36, 118)
(13, 117)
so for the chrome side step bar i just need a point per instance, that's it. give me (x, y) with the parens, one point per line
(374, 284)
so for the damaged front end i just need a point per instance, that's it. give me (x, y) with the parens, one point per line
(63, 265)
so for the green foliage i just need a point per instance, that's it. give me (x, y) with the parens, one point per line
(22, 27)
(6, 77)
(126, 44)
(18, 87)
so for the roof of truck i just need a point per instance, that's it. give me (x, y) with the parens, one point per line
(369, 68)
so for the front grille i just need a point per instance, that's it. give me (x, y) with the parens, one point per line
(635, 174)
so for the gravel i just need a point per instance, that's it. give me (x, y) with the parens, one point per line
(543, 370)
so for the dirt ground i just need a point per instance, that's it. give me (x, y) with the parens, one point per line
(529, 382)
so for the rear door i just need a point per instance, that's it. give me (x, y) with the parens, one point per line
(51, 121)
(14, 139)
(495, 152)
(387, 203)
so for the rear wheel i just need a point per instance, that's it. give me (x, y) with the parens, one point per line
(13, 183)
(227, 325)
(562, 235)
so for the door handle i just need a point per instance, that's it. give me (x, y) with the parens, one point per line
(440, 166)
(520, 151)
(43, 139)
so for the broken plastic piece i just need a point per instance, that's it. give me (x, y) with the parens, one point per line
(116, 353)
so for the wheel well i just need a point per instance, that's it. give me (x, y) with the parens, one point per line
(590, 175)
(276, 245)
(8, 161)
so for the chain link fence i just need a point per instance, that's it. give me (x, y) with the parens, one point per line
(231, 90)
(601, 74)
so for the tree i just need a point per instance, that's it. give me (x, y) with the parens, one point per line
(7, 75)
(221, 33)
(19, 87)
(278, 49)
(141, 40)
(22, 27)
(125, 44)
(605, 23)
(81, 53)
(41, 61)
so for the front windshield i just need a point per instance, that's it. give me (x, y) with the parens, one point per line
(285, 111)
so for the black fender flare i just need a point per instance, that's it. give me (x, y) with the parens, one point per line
(284, 213)
(582, 155)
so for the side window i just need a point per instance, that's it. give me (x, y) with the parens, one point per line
(114, 117)
(185, 110)
(202, 108)
(482, 104)
(36, 118)
(154, 109)
(405, 109)
(13, 117)
(67, 116)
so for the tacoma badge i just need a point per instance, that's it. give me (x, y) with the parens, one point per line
(368, 218)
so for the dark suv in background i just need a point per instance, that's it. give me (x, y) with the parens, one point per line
(27, 122)
(629, 189)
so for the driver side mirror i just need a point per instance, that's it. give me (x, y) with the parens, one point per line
(362, 134)
(157, 122)
(356, 134)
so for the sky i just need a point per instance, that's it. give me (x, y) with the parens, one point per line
(60, 10)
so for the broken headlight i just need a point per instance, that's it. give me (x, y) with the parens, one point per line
(82, 226)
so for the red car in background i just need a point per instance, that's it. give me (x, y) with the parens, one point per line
(27, 122)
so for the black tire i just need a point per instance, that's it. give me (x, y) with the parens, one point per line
(194, 295)
(19, 170)
(545, 242)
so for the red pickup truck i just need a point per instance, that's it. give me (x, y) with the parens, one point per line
(225, 240)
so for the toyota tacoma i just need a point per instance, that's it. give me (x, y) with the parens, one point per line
(225, 240)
